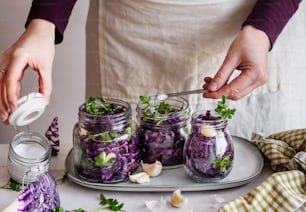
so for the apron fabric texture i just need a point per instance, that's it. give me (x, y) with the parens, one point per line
(146, 47)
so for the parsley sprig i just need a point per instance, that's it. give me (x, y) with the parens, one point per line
(107, 204)
(65, 177)
(98, 106)
(12, 185)
(222, 163)
(162, 108)
(111, 204)
(222, 109)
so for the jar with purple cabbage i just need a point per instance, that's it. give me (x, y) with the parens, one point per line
(162, 130)
(105, 147)
(209, 151)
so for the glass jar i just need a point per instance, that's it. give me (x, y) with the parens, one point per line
(209, 151)
(161, 130)
(105, 148)
(29, 157)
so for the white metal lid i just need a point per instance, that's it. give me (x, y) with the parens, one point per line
(30, 108)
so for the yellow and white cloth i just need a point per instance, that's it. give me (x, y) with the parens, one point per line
(285, 190)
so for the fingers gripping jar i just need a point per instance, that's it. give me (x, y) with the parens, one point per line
(209, 150)
(161, 130)
(29, 152)
(105, 149)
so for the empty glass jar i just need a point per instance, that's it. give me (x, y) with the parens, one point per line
(209, 151)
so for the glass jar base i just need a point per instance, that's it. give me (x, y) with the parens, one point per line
(173, 167)
(199, 179)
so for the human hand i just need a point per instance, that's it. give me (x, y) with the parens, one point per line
(35, 49)
(249, 54)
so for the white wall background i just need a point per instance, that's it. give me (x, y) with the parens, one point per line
(68, 71)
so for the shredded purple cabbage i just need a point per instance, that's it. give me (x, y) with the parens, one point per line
(41, 195)
(109, 133)
(163, 142)
(125, 162)
(202, 153)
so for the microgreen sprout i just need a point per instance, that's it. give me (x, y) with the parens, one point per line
(222, 109)
(98, 106)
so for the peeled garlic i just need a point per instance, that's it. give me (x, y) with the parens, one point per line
(208, 131)
(153, 169)
(83, 131)
(140, 177)
(177, 199)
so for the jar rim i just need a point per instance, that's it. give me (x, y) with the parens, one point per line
(180, 103)
(119, 102)
(215, 118)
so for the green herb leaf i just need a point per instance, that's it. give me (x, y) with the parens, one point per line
(222, 109)
(12, 185)
(223, 163)
(65, 177)
(101, 163)
(111, 204)
(144, 100)
(87, 164)
(161, 109)
(62, 210)
(98, 106)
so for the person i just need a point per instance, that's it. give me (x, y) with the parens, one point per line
(163, 46)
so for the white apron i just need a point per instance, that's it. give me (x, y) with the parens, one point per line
(145, 47)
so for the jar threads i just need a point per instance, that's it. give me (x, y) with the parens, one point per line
(29, 157)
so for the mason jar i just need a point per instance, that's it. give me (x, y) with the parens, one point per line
(162, 128)
(29, 156)
(105, 149)
(209, 150)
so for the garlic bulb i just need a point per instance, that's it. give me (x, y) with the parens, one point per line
(177, 199)
(140, 177)
(153, 169)
(208, 131)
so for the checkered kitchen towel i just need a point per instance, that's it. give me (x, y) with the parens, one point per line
(284, 190)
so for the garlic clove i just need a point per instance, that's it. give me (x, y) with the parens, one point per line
(208, 131)
(153, 169)
(144, 179)
(140, 177)
(110, 156)
(177, 199)
(83, 131)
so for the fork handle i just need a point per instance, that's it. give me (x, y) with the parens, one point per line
(182, 93)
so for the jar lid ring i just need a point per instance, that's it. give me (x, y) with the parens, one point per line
(30, 108)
